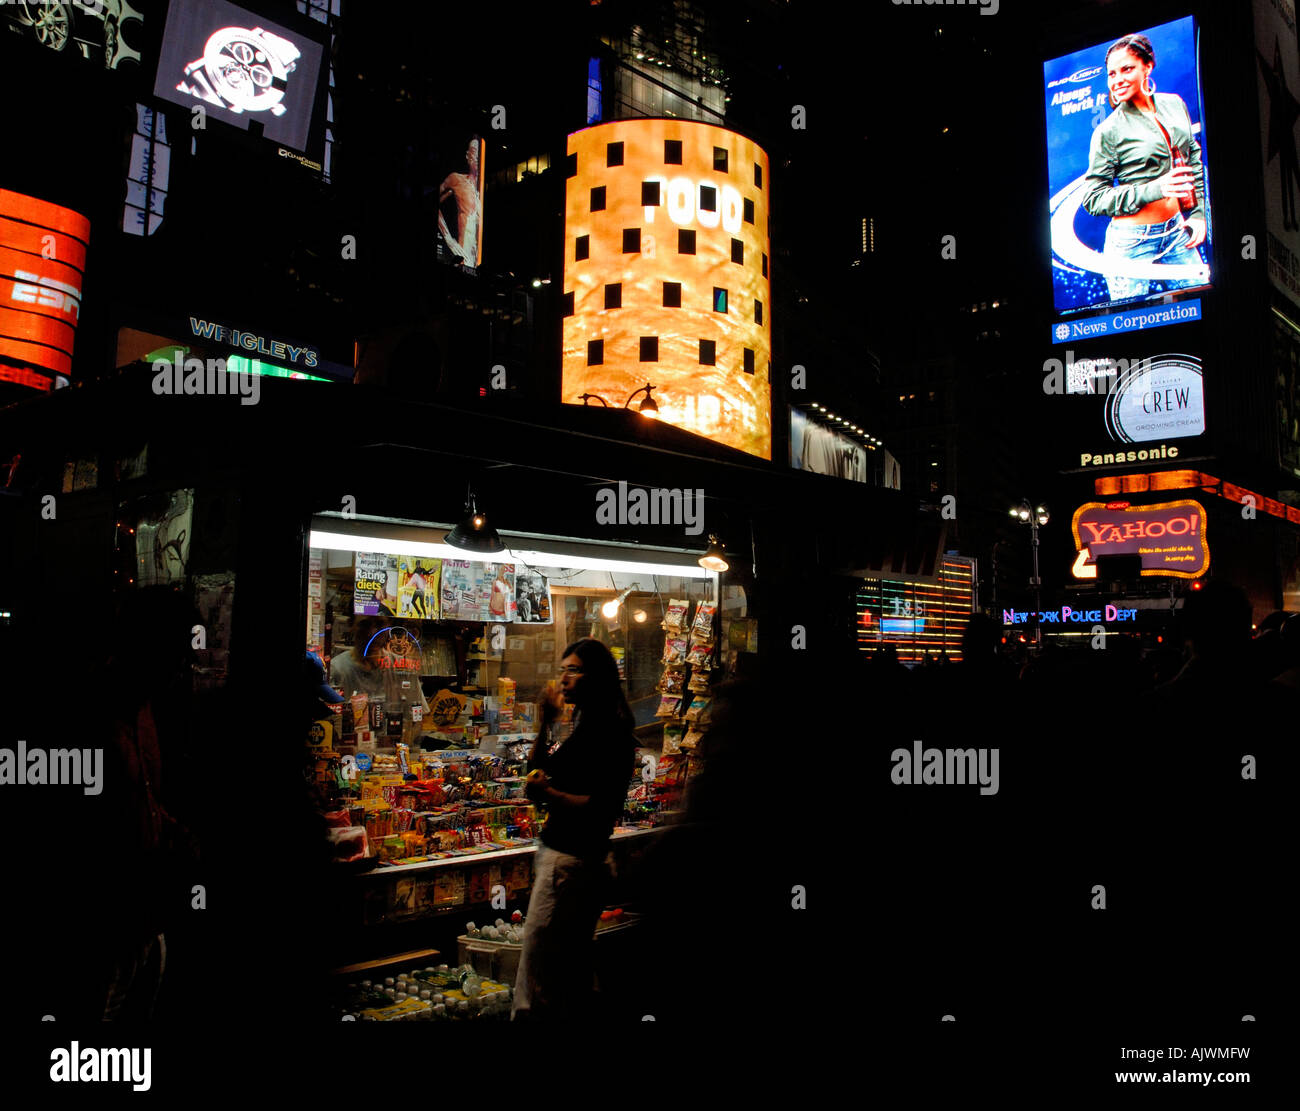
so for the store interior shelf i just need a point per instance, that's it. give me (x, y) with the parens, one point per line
(414, 956)
(397, 870)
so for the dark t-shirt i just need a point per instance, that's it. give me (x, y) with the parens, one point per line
(597, 760)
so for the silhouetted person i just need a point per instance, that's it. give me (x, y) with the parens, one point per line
(982, 674)
(718, 905)
(1190, 738)
(317, 695)
(1216, 636)
(1284, 687)
(142, 690)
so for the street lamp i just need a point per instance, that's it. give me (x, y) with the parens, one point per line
(648, 407)
(1033, 516)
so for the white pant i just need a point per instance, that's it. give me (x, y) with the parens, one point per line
(556, 967)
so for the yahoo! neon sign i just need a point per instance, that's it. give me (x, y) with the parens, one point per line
(1068, 616)
(1170, 537)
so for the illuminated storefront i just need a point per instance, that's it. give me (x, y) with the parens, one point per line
(918, 616)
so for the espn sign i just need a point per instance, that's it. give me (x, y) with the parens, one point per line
(1170, 537)
(42, 259)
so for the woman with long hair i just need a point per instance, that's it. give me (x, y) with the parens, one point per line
(584, 784)
(1144, 172)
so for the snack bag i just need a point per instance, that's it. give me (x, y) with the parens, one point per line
(703, 627)
(673, 739)
(671, 682)
(668, 706)
(700, 654)
(692, 740)
(675, 617)
(699, 709)
(675, 650)
(699, 680)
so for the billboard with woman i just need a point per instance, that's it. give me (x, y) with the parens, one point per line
(1127, 170)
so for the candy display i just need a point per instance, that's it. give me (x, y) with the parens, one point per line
(409, 808)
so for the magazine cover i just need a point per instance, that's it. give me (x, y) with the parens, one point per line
(481, 580)
(502, 606)
(532, 598)
(417, 587)
(376, 584)
(458, 590)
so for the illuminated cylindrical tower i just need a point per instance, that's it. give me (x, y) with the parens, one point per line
(666, 275)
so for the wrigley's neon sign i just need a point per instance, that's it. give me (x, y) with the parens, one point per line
(250, 341)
